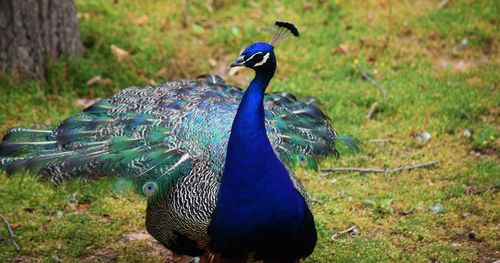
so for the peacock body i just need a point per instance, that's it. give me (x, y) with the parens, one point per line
(171, 144)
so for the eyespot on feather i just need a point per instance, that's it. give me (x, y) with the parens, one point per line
(302, 160)
(121, 186)
(149, 189)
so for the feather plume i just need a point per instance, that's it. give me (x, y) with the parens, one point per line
(282, 31)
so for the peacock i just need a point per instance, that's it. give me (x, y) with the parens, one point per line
(214, 161)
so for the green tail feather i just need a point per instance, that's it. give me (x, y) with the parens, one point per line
(306, 162)
(152, 137)
(122, 185)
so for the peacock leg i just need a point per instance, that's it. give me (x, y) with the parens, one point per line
(205, 258)
(177, 258)
(218, 259)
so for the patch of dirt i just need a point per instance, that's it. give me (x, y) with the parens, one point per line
(485, 153)
(461, 62)
(112, 251)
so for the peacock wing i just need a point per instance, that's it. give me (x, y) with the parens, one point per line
(299, 131)
(146, 137)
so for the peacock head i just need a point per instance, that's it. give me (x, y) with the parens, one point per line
(260, 56)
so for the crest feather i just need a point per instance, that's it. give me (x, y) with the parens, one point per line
(282, 31)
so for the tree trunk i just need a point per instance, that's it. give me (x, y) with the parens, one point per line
(33, 30)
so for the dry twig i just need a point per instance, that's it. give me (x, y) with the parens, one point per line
(404, 213)
(466, 114)
(379, 140)
(350, 229)
(316, 200)
(372, 110)
(11, 233)
(371, 170)
(372, 81)
(486, 189)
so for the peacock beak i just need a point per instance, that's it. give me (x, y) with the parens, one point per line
(239, 62)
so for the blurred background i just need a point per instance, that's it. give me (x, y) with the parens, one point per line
(415, 81)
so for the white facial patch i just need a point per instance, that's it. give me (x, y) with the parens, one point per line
(263, 61)
(248, 59)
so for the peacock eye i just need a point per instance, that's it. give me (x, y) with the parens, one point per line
(302, 160)
(257, 57)
(149, 189)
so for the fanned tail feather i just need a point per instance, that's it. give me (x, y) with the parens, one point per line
(23, 147)
(127, 145)
(348, 144)
(301, 132)
(148, 138)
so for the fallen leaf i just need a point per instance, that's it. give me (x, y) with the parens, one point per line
(93, 80)
(85, 206)
(423, 87)
(141, 20)
(151, 82)
(165, 24)
(99, 80)
(15, 225)
(162, 72)
(212, 62)
(307, 6)
(119, 53)
(382, 4)
(344, 48)
(48, 122)
(475, 81)
(432, 35)
(86, 102)
(406, 30)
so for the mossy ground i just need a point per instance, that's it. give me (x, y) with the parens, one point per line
(440, 68)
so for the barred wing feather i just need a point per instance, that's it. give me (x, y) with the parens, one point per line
(151, 137)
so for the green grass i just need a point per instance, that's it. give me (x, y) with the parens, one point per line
(434, 83)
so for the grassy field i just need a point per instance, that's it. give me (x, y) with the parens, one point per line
(439, 65)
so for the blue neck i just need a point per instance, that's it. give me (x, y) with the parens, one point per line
(249, 122)
(257, 204)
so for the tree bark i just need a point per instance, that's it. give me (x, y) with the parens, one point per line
(33, 30)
